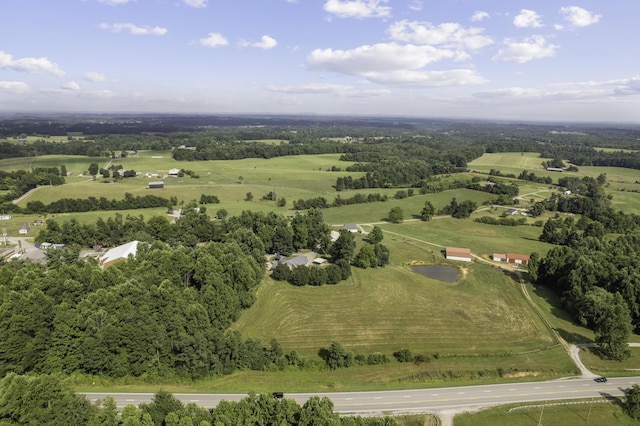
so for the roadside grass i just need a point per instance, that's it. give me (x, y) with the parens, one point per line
(549, 302)
(459, 371)
(628, 367)
(596, 413)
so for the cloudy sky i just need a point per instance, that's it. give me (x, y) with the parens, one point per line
(574, 60)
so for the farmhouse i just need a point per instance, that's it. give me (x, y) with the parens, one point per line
(351, 227)
(118, 254)
(511, 212)
(294, 262)
(518, 259)
(24, 229)
(174, 172)
(455, 253)
(156, 185)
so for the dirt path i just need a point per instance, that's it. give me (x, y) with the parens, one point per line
(26, 194)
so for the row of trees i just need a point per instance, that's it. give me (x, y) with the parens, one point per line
(47, 400)
(71, 205)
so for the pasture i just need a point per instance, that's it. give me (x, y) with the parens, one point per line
(384, 310)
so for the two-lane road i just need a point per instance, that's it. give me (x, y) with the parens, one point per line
(422, 400)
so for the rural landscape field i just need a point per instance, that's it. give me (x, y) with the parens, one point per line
(389, 327)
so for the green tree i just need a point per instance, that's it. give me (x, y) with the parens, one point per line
(248, 196)
(632, 401)
(161, 405)
(41, 400)
(427, 211)
(396, 215)
(318, 412)
(366, 257)
(93, 169)
(343, 247)
(375, 236)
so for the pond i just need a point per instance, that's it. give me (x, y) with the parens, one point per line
(447, 274)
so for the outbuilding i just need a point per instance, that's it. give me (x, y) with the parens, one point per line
(518, 259)
(119, 254)
(455, 253)
(156, 185)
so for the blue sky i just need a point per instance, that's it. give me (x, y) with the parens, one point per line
(522, 60)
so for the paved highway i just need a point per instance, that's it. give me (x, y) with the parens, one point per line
(433, 400)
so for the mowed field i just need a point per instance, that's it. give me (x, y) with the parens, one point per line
(390, 308)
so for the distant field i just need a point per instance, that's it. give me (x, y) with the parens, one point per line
(510, 162)
(482, 239)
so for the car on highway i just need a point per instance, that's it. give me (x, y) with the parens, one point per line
(600, 379)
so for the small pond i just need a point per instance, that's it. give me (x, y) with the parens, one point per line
(447, 274)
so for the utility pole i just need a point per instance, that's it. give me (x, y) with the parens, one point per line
(590, 407)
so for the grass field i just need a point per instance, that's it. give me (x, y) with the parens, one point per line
(596, 413)
(390, 308)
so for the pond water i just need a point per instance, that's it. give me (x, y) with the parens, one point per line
(447, 274)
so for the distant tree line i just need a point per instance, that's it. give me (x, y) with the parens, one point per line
(70, 205)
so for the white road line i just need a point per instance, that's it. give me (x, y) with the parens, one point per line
(487, 391)
(461, 393)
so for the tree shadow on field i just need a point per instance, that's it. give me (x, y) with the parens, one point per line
(324, 353)
(571, 337)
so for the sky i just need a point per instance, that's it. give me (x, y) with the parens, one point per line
(535, 60)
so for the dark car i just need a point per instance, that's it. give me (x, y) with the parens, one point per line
(600, 379)
(278, 395)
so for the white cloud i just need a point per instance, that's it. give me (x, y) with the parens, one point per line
(71, 86)
(341, 90)
(358, 8)
(29, 65)
(579, 17)
(510, 92)
(266, 43)
(527, 19)
(534, 47)
(94, 77)
(447, 34)
(416, 5)
(115, 2)
(195, 3)
(393, 64)
(377, 57)
(427, 79)
(134, 29)
(214, 40)
(14, 87)
(479, 15)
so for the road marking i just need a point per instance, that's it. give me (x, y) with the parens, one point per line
(435, 394)
(130, 400)
(408, 396)
(537, 387)
(513, 389)
(194, 400)
(562, 386)
(487, 391)
(461, 393)
(377, 397)
(587, 384)
(348, 399)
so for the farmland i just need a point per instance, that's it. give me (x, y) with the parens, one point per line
(478, 329)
